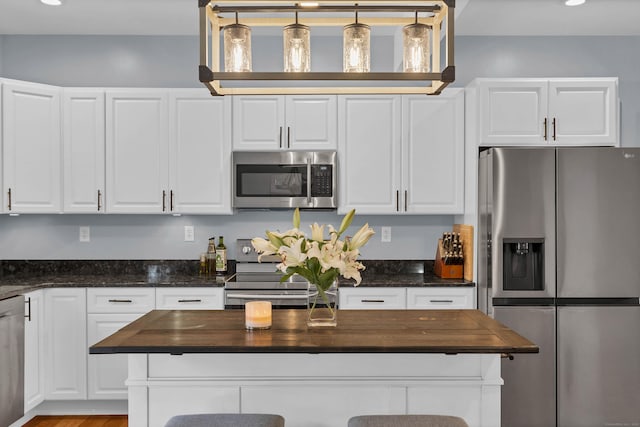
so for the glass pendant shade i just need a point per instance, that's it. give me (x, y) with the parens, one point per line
(357, 47)
(416, 48)
(297, 48)
(237, 48)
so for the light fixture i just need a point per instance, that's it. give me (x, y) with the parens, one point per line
(356, 47)
(428, 67)
(297, 48)
(574, 2)
(237, 47)
(416, 52)
(51, 2)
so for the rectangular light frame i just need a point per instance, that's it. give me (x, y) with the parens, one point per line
(211, 24)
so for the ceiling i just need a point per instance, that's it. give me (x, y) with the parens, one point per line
(180, 17)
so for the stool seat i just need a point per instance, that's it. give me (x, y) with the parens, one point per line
(226, 420)
(406, 421)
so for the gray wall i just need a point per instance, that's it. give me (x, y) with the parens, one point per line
(146, 61)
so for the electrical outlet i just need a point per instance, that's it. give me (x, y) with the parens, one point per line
(85, 234)
(189, 233)
(385, 234)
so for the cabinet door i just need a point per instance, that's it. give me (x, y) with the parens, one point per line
(137, 151)
(32, 149)
(513, 112)
(120, 300)
(33, 351)
(312, 122)
(107, 372)
(369, 138)
(200, 147)
(83, 141)
(583, 111)
(441, 297)
(372, 298)
(66, 344)
(433, 153)
(258, 122)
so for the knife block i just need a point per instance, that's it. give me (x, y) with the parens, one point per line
(446, 271)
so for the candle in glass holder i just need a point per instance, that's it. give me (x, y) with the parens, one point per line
(257, 315)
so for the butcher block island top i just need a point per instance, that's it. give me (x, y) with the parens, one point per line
(358, 331)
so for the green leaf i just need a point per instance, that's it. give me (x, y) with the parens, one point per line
(346, 221)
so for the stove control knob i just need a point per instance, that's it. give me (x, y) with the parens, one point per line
(246, 250)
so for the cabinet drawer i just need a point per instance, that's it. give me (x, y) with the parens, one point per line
(189, 298)
(120, 300)
(372, 298)
(439, 298)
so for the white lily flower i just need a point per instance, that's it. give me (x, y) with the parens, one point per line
(361, 237)
(263, 246)
(317, 232)
(293, 256)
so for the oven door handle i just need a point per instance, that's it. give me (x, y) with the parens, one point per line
(266, 296)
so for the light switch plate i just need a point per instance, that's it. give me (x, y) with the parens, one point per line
(189, 233)
(385, 234)
(85, 234)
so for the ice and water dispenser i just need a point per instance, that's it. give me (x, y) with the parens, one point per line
(523, 264)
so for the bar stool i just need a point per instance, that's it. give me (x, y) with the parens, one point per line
(406, 421)
(226, 420)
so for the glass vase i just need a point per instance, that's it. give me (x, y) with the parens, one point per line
(322, 306)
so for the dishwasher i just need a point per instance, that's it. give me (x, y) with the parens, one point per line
(11, 360)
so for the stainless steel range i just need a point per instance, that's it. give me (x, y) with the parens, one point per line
(261, 281)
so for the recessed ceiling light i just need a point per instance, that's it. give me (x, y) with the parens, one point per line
(52, 2)
(574, 2)
(309, 4)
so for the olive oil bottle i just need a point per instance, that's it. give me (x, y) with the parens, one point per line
(221, 257)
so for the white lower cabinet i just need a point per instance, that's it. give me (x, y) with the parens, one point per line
(441, 297)
(372, 298)
(65, 338)
(110, 309)
(190, 298)
(33, 350)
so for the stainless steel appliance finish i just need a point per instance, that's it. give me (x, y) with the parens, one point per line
(284, 179)
(261, 281)
(579, 206)
(11, 360)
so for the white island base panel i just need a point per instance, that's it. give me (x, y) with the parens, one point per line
(314, 390)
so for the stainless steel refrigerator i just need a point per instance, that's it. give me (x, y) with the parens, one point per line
(559, 262)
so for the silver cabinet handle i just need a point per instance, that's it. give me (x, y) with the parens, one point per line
(544, 125)
(121, 300)
(280, 137)
(554, 128)
(446, 301)
(189, 300)
(9, 192)
(171, 200)
(406, 196)
(397, 201)
(164, 200)
(99, 200)
(372, 300)
(288, 137)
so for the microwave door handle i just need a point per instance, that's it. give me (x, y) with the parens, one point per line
(309, 180)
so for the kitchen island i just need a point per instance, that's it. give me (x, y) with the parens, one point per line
(387, 362)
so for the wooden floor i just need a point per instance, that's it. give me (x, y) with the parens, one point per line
(79, 421)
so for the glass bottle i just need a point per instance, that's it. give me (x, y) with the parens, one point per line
(221, 257)
(211, 257)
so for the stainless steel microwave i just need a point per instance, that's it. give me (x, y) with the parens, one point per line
(284, 179)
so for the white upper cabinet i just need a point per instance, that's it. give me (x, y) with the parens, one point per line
(137, 151)
(84, 150)
(278, 122)
(433, 153)
(547, 111)
(402, 154)
(369, 153)
(32, 150)
(200, 152)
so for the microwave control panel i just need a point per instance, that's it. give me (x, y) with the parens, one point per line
(321, 180)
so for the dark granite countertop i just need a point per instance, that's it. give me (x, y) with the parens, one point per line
(19, 277)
